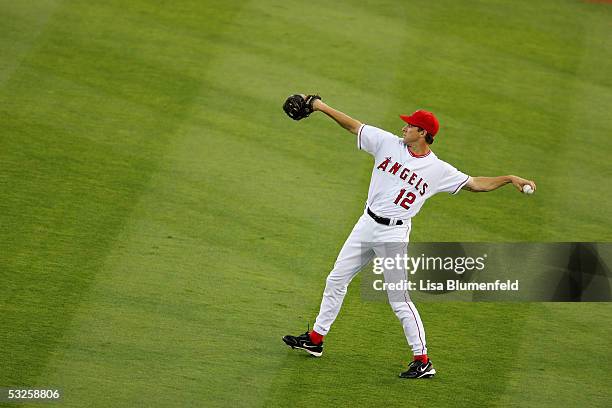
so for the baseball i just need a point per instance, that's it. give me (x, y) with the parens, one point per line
(527, 189)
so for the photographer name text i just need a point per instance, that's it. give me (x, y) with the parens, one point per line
(448, 285)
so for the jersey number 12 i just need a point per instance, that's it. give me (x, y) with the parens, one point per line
(409, 199)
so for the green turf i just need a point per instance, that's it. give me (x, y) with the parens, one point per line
(164, 224)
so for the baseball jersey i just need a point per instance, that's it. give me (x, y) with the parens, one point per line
(402, 180)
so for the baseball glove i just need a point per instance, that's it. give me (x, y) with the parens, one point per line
(298, 107)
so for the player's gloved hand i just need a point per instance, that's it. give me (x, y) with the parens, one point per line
(298, 107)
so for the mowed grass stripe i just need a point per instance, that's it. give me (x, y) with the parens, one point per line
(552, 336)
(21, 26)
(87, 123)
(186, 323)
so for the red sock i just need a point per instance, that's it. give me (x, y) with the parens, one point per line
(422, 357)
(315, 337)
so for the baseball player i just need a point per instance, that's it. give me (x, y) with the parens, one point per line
(405, 174)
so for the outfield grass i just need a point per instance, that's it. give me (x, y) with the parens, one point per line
(164, 224)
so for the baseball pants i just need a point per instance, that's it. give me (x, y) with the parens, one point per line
(367, 240)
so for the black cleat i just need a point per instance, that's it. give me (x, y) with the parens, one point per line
(303, 342)
(418, 369)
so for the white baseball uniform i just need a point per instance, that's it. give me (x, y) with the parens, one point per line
(401, 182)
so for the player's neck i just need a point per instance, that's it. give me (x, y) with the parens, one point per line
(419, 149)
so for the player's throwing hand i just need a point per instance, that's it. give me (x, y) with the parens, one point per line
(521, 183)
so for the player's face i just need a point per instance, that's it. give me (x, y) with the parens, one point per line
(411, 133)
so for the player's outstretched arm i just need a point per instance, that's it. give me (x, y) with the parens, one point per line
(342, 119)
(485, 184)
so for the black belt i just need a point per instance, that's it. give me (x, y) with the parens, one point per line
(383, 220)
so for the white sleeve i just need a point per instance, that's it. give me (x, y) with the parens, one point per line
(452, 179)
(370, 138)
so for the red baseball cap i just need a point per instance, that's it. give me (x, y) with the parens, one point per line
(423, 119)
